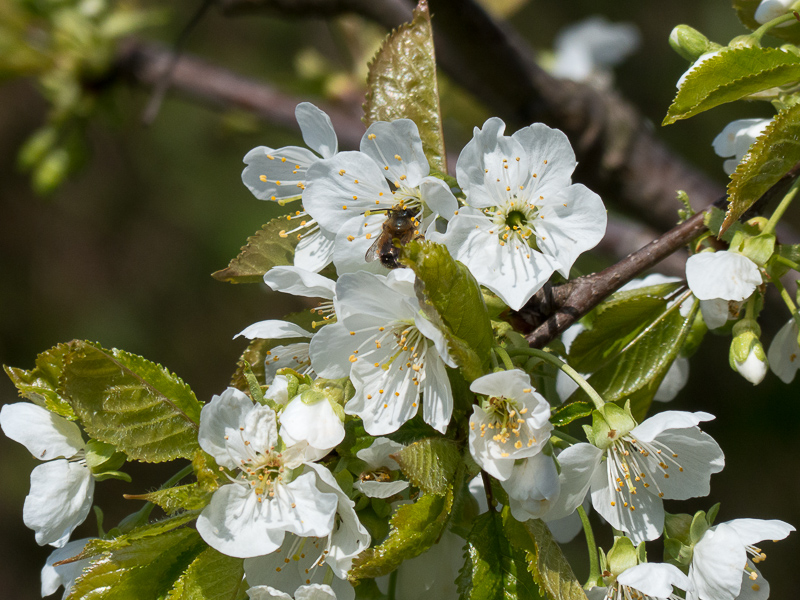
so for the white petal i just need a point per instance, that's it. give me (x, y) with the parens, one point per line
(717, 564)
(753, 369)
(45, 434)
(397, 148)
(365, 293)
(515, 384)
(752, 531)
(723, 274)
(595, 44)
(437, 196)
(264, 592)
(484, 450)
(783, 352)
(273, 330)
(772, 9)
(641, 516)
(532, 487)
(753, 589)
(315, 592)
(318, 132)
(437, 396)
(716, 312)
(315, 423)
(379, 454)
(674, 381)
(572, 223)
(277, 174)
(470, 166)
(551, 158)
(430, 331)
(578, 463)
(432, 575)
(654, 579)
(232, 524)
(306, 509)
(273, 570)
(330, 350)
(314, 251)
(737, 136)
(292, 356)
(565, 529)
(60, 498)
(225, 412)
(343, 187)
(54, 577)
(381, 489)
(669, 419)
(354, 241)
(299, 282)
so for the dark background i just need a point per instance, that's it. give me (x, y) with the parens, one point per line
(122, 253)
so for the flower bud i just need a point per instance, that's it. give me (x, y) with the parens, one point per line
(747, 356)
(744, 41)
(622, 556)
(690, 43)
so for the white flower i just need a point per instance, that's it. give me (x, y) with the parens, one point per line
(306, 560)
(376, 481)
(735, 140)
(723, 560)
(315, 591)
(350, 193)
(250, 516)
(772, 9)
(280, 176)
(645, 581)
(784, 352)
(525, 218)
(65, 574)
(754, 368)
(666, 457)
(591, 47)
(62, 489)
(395, 354)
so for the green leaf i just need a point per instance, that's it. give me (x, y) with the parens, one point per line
(40, 385)
(566, 414)
(125, 400)
(95, 547)
(550, 569)
(191, 496)
(714, 219)
(265, 249)
(635, 370)
(415, 528)
(770, 157)
(211, 576)
(731, 75)
(746, 10)
(430, 464)
(402, 84)
(146, 568)
(493, 569)
(449, 294)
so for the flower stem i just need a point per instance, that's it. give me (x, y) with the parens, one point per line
(786, 262)
(507, 362)
(392, 585)
(787, 300)
(594, 562)
(778, 213)
(177, 477)
(596, 399)
(759, 33)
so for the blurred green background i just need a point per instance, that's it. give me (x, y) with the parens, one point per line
(122, 253)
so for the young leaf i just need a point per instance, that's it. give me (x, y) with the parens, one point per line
(268, 247)
(731, 75)
(402, 84)
(746, 10)
(415, 528)
(635, 370)
(40, 385)
(564, 415)
(449, 292)
(550, 569)
(775, 152)
(96, 547)
(211, 576)
(125, 400)
(191, 496)
(430, 464)
(493, 569)
(146, 568)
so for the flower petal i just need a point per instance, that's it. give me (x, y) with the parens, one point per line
(654, 579)
(273, 330)
(784, 352)
(650, 428)
(717, 563)
(381, 489)
(315, 423)
(397, 148)
(578, 463)
(752, 531)
(65, 574)
(299, 282)
(551, 158)
(224, 413)
(379, 454)
(354, 242)
(59, 500)
(314, 251)
(437, 397)
(674, 381)
(437, 196)
(331, 348)
(317, 129)
(45, 434)
(532, 487)
(723, 274)
(277, 175)
(292, 356)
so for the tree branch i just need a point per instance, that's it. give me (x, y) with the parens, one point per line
(388, 13)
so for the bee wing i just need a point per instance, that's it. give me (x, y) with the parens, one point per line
(374, 252)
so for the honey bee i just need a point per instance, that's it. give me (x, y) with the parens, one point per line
(400, 225)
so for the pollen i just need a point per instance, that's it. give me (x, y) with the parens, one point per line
(352, 358)
(355, 197)
(344, 207)
(368, 236)
(277, 183)
(342, 171)
(263, 178)
(371, 136)
(398, 157)
(355, 180)
(386, 168)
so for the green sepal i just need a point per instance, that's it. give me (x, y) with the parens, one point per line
(430, 464)
(256, 393)
(450, 296)
(711, 515)
(210, 576)
(101, 457)
(40, 385)
(698, 527)
(205, 470)
(113, 475)
(138, 406)
(609, 424)
(759, 248)
(732, 75)
(677, 553)
(677, 526)
(566, 414)
(770, 157)
(746, 10)
(265, 249)
(714, 218)
(746, 334)
(690, 43)
(547, 564)
(402, 84)
(622, 556)
(414, 529)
